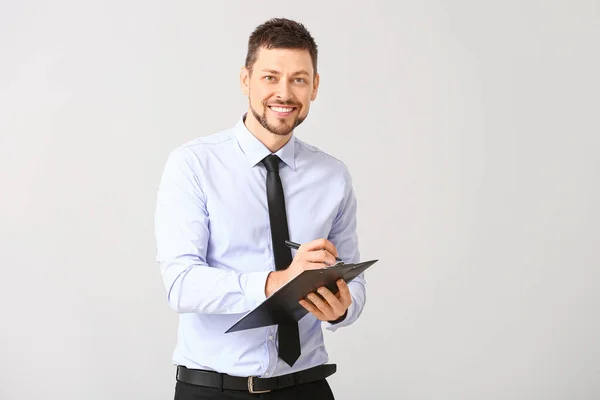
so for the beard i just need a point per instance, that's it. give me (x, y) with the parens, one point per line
(281, 128)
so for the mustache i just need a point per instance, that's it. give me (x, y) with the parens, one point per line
(281, 103)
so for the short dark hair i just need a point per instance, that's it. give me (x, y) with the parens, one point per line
(280, 33)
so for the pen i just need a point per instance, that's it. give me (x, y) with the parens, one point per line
(296, 246)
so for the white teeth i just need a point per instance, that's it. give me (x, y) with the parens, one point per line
(281, 109)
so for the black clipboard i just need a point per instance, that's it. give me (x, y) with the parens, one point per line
(282, 306)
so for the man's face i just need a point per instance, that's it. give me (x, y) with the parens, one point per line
(280, 88)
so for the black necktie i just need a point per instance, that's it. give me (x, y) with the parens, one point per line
(289, 337)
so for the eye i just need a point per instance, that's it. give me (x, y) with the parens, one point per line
(300, 80)
(269, 78)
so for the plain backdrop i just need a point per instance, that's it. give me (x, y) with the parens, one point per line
(471, 129)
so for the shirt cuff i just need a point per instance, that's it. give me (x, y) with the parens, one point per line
(253, 285)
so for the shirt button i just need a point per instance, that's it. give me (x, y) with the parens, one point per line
(271, 337)
(266, 374)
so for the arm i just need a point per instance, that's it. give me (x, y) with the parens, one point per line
(182, 232)
(343, 235)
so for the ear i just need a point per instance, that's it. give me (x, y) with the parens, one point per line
(316, 81)
(245, 80)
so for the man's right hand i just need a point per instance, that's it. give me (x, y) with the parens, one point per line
(317, 254)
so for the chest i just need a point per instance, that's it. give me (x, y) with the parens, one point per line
(238, 209)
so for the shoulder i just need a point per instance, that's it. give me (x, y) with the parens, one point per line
(213, 142)
(190, 159)
(316, 157)
(202, 147)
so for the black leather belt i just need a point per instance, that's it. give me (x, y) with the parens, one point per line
(252, 384)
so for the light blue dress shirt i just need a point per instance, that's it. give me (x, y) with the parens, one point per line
(214, 245)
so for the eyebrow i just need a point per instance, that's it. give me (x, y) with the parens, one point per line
(275, 72)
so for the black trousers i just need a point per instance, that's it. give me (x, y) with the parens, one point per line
(318, 390)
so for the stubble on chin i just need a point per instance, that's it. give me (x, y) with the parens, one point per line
(282, 129)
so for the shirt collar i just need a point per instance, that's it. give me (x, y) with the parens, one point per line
(255, 150)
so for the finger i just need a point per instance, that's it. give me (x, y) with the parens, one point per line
(321, 256)
(336, 304)
(320, 244)
(309, 307)
(329, 297)
(319, 303)
(344, 292)
(314, 265)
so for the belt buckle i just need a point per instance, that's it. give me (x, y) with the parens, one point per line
(251, 386)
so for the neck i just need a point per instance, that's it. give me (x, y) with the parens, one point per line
(271, 141)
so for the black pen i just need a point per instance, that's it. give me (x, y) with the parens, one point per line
(296, 246)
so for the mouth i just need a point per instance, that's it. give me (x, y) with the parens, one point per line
(282, 111)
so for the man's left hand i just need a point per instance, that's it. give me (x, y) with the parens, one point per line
(330, 306)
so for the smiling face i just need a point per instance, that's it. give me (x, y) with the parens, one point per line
(280, 88)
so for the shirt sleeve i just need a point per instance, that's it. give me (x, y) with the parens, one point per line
(181, 225)
(345, 238)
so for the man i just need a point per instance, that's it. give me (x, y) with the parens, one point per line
(226, 205)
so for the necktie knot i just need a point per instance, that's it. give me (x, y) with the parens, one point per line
(271, 163)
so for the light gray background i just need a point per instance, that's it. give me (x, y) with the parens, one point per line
(471, 130)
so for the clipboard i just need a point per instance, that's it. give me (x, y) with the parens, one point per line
(282, 306)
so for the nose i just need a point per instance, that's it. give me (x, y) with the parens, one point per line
(283, 90)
